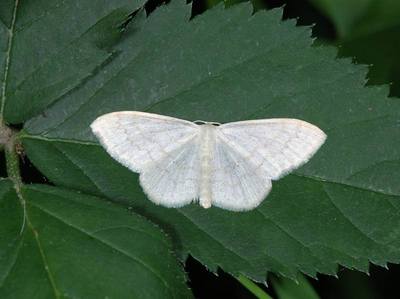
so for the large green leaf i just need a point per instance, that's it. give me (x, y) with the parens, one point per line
(76, 246)
(227, 64)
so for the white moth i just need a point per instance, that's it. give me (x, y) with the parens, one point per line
(229, 165)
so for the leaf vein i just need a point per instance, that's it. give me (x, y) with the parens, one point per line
(44, 260)
(18, 248)
(350, 220)
(106, 243)
(80, 169)
(8, 58)
(288, 234)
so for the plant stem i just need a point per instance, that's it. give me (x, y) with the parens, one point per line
(12, 163)
(8, 142)
(252, 287)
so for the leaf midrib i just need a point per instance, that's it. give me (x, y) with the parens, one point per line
(26, 219)
(8, 58)
(46, 267)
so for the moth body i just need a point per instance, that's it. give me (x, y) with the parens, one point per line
(207, 145)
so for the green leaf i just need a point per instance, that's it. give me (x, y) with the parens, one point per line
(48, 48)
(229, 64)
(72, 245)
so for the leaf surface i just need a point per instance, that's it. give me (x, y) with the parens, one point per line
(76, 246)
(48, 48)
(225, 65)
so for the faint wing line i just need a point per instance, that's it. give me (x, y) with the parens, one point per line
(277, 146)
(245, 154)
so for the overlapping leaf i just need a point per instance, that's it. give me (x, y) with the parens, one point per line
(225, 65)
(76, 246)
